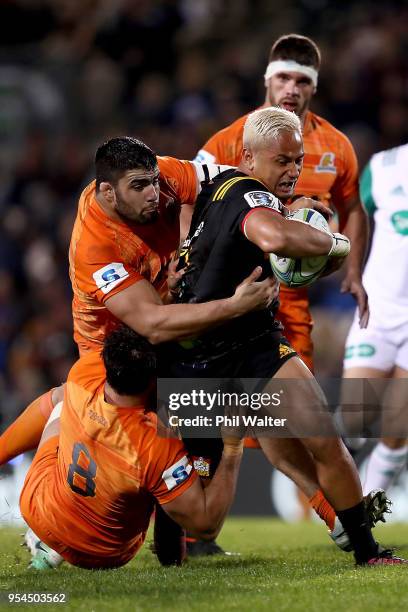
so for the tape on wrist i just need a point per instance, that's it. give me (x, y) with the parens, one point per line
(340, 246)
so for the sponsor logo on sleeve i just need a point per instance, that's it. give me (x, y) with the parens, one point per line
(109, 276)
(265, 199)
(204, 157)
(177, 473)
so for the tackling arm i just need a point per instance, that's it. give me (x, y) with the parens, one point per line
(140, 307)
(201, 511)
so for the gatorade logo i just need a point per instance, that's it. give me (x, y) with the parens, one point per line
(359, 350)
(399, 221)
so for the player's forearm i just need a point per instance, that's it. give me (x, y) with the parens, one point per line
(356, 229)
(298, 239)
(219, 494)
(287, 238)
(301, 240)
(164, 323)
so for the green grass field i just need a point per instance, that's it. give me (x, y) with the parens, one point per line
(281, 567)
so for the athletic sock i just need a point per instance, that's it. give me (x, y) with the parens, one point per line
(383, 466)
(355, 523)
(25, 433)
(323, 509)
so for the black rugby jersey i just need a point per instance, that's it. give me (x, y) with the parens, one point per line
(216, 254)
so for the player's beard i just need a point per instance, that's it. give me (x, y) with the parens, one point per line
(300, 107)
(128, 213)
(300, 110)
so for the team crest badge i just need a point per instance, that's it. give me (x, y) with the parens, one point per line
(326, 163)
(285, 350)
(202, 467)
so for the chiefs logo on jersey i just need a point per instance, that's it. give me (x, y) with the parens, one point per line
(326, 163)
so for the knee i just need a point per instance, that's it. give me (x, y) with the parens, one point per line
(329, 450)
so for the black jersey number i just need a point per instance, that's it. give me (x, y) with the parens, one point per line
(88, 474)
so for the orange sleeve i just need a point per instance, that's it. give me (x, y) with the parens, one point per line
(169, 471)
(346, 184)
(216, 146)
(99, 271)
(181, 177)
(225, 146)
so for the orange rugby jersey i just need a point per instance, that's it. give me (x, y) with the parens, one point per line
(106, 256)
(329, 174)
(330, 169)
(110, 466)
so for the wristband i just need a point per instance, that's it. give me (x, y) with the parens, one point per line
(340, 246)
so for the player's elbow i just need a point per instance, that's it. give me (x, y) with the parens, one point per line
(206, 531)
(157, 337)
(209, 535)
(152, 333)
(207, 525)
(273, 242)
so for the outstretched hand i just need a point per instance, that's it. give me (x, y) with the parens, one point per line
(353, 284)
(252, 294)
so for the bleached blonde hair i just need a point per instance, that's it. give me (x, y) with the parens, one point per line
(267, 124)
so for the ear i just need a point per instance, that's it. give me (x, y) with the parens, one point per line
(248, 159)
(107, 191)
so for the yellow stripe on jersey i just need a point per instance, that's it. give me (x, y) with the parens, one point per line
(216, 196)
(221, 191)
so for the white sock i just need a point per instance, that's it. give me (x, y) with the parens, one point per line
(384, 465)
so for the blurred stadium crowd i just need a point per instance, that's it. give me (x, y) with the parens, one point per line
(75, 72)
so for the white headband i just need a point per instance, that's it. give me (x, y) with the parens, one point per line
(290, 66)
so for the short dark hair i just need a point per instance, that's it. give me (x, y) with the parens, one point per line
(117, 155)
(130, 361)
(295, 47)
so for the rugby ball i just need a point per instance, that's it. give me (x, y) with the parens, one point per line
(301, 271)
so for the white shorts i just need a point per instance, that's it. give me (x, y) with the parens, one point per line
(375, 347)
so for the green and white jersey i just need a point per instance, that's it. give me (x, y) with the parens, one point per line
(384, 194)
